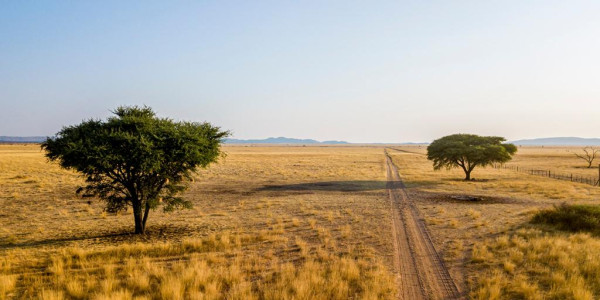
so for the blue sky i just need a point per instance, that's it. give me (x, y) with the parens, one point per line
(361, 71)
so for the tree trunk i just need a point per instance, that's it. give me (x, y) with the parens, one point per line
(139, 222)
(467, 171)
(146, 212)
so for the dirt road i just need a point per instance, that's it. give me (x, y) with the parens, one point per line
(422, 272)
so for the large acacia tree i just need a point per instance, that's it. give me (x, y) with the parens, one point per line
(135, 159)
(468, 151)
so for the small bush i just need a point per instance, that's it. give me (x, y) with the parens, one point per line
(575, 218)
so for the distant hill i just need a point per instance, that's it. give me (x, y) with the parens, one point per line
(552, 141)
(271, 140)
(22, 139)
(281, 140)
(559, 141)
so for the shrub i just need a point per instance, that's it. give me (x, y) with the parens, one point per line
(574, 218)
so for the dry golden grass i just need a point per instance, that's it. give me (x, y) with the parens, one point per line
(292, 222)
(482, 241)
(216, 267)
(531, 264)
(268, 222)
(559, 159)
(502, 183)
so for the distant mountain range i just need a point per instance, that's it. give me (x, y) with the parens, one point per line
(22, 139)
(552, 141)
(271, 140)
(282, 140)
(559, 141)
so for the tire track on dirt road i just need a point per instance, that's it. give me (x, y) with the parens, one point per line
(423, 274)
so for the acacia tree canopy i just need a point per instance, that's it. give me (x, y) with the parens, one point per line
(468, 151)
(136, 159)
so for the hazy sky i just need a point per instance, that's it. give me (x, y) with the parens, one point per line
(361, 71)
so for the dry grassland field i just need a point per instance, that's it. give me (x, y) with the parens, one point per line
(285, 222)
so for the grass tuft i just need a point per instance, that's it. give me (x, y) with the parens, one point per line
(574, 218)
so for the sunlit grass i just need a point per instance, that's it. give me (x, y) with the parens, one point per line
(214, 268)
(418, 172)
(241, 241)
(267, 218)
(532, 264)
(504, 262)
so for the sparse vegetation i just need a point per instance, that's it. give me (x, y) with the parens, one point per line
(509, 201)
(246, 198)
(262, 221)
(210, 268)
(589, 155)
(532, 264)
(547, 262)
(574, 218)
(473, 214)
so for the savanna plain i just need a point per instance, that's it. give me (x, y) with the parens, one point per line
(293, 222)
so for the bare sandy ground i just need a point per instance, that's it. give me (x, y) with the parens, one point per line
(423, 274)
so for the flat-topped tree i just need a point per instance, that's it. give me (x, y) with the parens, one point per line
(136, 159)
(468, 151)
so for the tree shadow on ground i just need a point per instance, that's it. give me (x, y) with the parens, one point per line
(463, 198)
(472, 180)
(154, 233)
(593, 167)
(61, 240)
(334, 186)
(421, 183)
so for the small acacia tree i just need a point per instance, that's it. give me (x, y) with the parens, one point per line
(589, 154)
(469, 151)
(135, 159)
